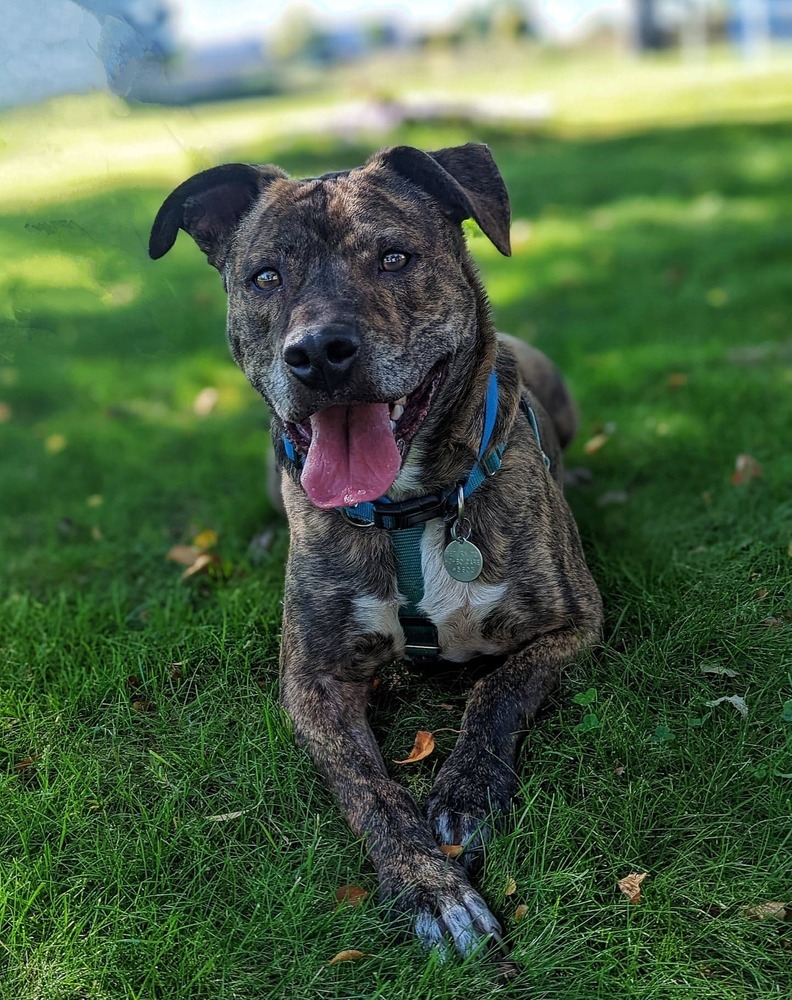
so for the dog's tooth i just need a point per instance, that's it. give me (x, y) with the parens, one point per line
(397, 412)
(393, 425)
(402, 401)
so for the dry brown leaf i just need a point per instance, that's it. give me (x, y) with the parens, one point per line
(225, 817)
(423, 746)
(185, 555)
(520, 912)
(595, 443)
(745, 468)
(619, 771)
(761, 594)
(676, 380)
(452, 850)
(763, 911)
(511, 888)
(205, 539)
(140, 705)
(352, 895)
(350, 955)
(27, 762)
(5, 413)
(201, 564)
(205, 401)
(630, 885)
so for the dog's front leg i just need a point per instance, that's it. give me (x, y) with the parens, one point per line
(416, 878)
(479, 777)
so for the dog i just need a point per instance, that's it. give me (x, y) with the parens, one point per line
(421, 473)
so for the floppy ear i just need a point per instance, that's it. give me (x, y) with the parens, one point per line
(209, 206)
(464, 180)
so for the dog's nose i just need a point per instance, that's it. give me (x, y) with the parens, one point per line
(324, 359)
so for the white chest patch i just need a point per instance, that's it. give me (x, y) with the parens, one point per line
(456, 608)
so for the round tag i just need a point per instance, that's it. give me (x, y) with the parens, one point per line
(463, 560)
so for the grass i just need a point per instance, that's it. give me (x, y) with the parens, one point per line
(137, 708)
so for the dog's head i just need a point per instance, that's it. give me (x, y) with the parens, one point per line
(352, 303)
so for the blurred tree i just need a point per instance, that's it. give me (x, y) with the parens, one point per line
(509, 21)
(297, 36)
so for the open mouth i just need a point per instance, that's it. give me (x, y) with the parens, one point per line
(353, 453)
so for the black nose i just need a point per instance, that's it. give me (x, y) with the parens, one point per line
(324, 359)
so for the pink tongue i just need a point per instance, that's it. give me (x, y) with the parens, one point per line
(352, 456)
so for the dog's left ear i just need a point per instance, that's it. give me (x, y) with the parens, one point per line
(464, 180)
(209, 207)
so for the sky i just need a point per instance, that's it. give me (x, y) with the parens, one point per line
(205, 20)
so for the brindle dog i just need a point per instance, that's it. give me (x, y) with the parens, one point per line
(356, 311)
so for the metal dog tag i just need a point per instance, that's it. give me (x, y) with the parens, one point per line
(463, 560)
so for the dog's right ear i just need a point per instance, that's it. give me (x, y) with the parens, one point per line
(209, 207)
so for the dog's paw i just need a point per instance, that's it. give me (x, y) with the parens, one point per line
(460, 810)
(454, 819)
(443, 909)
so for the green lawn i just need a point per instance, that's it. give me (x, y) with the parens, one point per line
(160, 835)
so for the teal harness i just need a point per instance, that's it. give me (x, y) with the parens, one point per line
(405, 521)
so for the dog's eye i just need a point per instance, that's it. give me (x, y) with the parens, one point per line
(394, 260)
(267, 279)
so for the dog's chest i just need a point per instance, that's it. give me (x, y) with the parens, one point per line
(458, 610)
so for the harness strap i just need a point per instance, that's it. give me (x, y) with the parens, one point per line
(405, 521)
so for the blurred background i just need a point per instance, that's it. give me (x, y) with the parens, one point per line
(646, 145)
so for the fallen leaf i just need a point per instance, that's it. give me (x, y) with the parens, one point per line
(761, 594)
(201, 564)
(5, 413)
(452, 850)
(225, 817)
(745, 468)
(676, 380)
(763, 911)
(595, 443)
(423, 746)
(716, 668)
(185, 555)
(351, 955)
(630, 885)
(619, 771)
(352, 895)
(205, 539)
(511, 888)
(27, 762)
(773, 622)
(738, 702)
(205, 401)
(520, 912)
(175, 671)
(139, 705)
